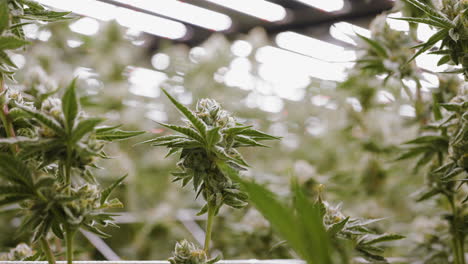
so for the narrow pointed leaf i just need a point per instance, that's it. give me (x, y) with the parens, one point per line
(84, 127)
(44, 119)
(105, 194)
(4, 15)
(430, 42)
(195, 120)
(10, 42)
(117, 134)
(186, 131)
(14, 170)
(379, 49)
(70, 105)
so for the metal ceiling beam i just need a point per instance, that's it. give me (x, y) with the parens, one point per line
(301, 18)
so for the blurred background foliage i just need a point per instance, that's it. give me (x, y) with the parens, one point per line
(344, 135)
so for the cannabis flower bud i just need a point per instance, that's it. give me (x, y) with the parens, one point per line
(187, 253)
(20, 252)
(53, 107)
(212, 114)
(459, 142)
(210, 137)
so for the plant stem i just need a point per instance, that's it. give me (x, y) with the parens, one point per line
(209, 228)
(457, 236)
(46, 249)
(69, 234)
(10, 131)
(68, 168)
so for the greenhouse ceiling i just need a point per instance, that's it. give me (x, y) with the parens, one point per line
(193, 21)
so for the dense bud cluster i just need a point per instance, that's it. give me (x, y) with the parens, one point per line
(388, 51)
(455, 11)
(343, 228)
(213, 115)
(458, 144)
(210, 137)
(187, 253)
(21, 252)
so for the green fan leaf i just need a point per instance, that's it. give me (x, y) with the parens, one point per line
(161, 139)
(70, 106)
(334, 229)
(4, 58)
(383, 238)
(116, 134)
(213, 137)
(105, 194)
(10, 42)
(441, 34)
(186, 131)
(14, 170)
(248, 141)
(257, 135)
(84, 127)
(14, 190)
(13, 199)
(377, 47)
(195, 120)
(44, 119)
(427, 21)
(4, 15)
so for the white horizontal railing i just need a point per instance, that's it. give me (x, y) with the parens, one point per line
(248, 261)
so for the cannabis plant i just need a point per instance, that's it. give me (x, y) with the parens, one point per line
(451, 22)
(444, 147)
(21, 252)
(187, 253)
(47, 148)
(344, 229)
(318, 232)
(14, 14)
(387, 53)
(210, 135)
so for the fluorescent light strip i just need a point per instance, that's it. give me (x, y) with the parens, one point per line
(344, 31)
(325, 5)
(257, 8)
(315, 68)
(184, 12)
(151, 24)
(313, 47)
(128, 18)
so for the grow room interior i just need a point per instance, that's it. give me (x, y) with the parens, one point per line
(204, 131)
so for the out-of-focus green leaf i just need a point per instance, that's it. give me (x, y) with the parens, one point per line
(10, 42)
(70, 106)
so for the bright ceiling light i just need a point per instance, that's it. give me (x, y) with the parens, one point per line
(325, 5)
(150, 24)
(313, 47)
(345, 31)
(424, 32)
(297, 62)
(146, 82)
(257, 8)
(395, 24)
(184, 12)
(128, 18)
(90, 8)
(86, 26)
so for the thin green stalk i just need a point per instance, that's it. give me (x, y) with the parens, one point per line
(68, 168)
(457, 236)
(69, 234)
(419, 104)
(10, 131)
(209, 228)
(46, 249)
